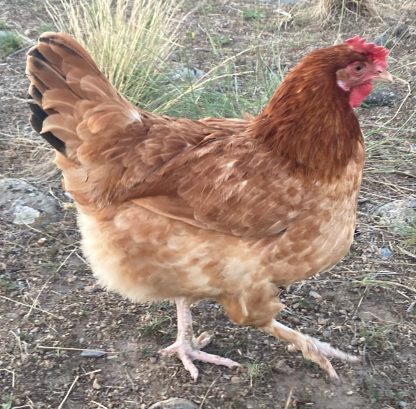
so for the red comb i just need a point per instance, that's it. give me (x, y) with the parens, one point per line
(378, 53)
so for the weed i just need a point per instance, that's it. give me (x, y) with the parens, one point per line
(45, 26)
(7, 402)
(254, 369)
(222, 92)
(373, 280)
(409, 234)
(3, 25)
(159, 306)
(376, 336)
(129, 39)
(251, 14)
(373, 391)
(223, 40)
(131, 46)
(10, 42)
(155, 325)
(146, 352)
(325, 9)
(190, 36)
(6, 285)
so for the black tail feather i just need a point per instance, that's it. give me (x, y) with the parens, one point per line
(36, 120)
(34, 52)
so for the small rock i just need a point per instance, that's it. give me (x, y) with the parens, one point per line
(23, 203)
(322, 321)
(174, 403)
(349, 393)
(401, 31)
(94, 288)
(283, 367)
(235, 379)
(153, 359)
(399, 214)
(25, 215)
(385, 253)
(382, 98)
(4, 34)
(96, 384)
(93, 353)
(382, 39)
(183, 73)
(315, 295)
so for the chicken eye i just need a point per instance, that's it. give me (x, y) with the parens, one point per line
(358, 67)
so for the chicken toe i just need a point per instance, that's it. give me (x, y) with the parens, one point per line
(188, 353)
(203, 339)
(187, 347)
(311, 348)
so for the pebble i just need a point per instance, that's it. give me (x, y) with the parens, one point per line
(315, 295)
(402, 31)
(398, 214)
(183, 73)
(385, 253)
(23, 203)
(235, 379)
(382, 39)
(381, 98)
(96, 384)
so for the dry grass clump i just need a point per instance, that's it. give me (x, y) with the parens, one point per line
(27, 158)
(129, 39)
(325, 9)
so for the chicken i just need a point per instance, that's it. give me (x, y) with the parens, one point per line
(222, 209)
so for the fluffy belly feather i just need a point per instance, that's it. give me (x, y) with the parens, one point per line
(144, 256)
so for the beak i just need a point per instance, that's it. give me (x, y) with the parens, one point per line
(383, 76)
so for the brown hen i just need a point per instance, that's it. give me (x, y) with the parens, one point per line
(226, 209)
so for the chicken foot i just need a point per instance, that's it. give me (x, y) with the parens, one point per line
(187, 347)
(311, 348)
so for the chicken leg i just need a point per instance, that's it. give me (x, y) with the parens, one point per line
(188, 348)
(311, 348)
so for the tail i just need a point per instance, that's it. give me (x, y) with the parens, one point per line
(77, 111)
(63, 76)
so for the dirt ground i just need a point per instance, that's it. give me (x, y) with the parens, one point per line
(51, 310)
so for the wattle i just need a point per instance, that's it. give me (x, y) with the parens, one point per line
(359, 93)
